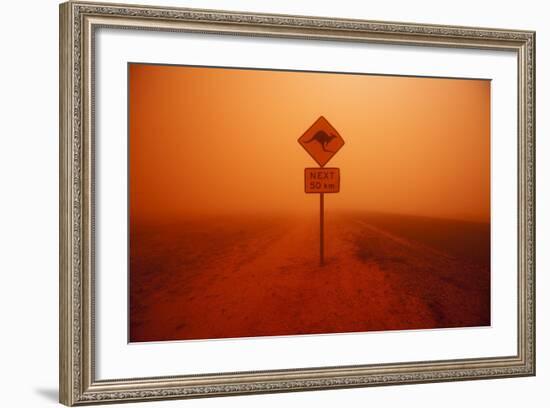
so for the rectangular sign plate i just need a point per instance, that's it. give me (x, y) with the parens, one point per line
(322, 180)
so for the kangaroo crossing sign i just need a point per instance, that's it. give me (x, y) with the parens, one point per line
(322, 142)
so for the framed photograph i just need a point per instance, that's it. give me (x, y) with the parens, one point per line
(256, 203)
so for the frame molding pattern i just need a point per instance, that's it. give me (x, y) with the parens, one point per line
(77, 383)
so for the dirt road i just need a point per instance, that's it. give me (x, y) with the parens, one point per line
(224, 277)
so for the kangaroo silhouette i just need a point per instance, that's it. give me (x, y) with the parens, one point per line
(323, 138)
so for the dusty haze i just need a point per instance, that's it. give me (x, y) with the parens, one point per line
(223, 235)
(223, 141)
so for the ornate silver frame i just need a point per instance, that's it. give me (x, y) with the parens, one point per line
(78, 22)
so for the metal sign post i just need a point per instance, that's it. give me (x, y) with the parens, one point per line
(321, 229)
(322, 142)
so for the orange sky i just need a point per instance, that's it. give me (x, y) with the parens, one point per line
(216, 140)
